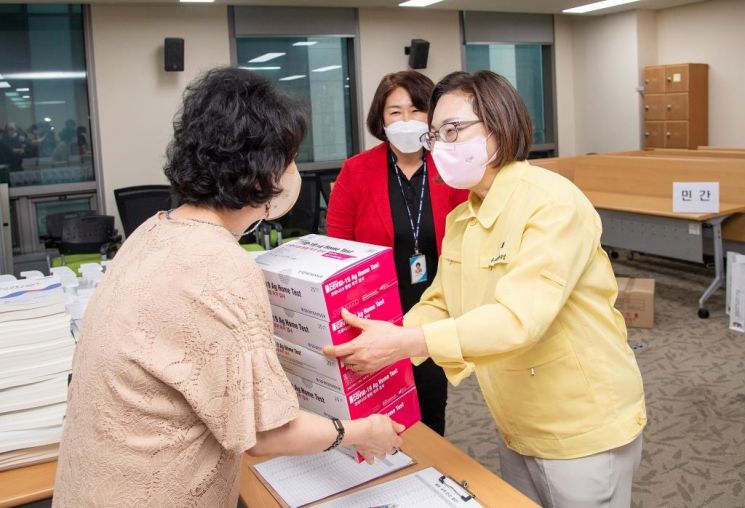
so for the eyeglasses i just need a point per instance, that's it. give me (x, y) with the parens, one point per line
(447, 133)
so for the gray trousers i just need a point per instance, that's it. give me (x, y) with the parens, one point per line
(600, 480)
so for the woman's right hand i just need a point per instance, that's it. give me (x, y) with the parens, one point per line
(378, 437)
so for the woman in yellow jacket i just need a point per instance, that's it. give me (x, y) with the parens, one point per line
(523, 298)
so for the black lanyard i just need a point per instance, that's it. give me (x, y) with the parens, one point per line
(414, 229)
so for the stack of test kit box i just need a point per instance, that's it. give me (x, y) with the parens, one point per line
(309, 281)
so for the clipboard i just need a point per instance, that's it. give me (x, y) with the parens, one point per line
(426, 488)
(303, 480)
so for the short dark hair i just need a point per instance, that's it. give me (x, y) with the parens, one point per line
(418, 86)
(234, 137)
(496, 103)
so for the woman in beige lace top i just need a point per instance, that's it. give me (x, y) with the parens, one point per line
(175, 375)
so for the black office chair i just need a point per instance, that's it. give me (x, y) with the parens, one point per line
(86, 240)
(54, 226)
(137, 204)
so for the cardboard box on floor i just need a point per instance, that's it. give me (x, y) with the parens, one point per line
(636, 301)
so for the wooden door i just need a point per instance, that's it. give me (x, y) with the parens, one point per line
(654, 106)
(654, 79)
(676, 135)
(676, 78)
(676, 106)
(654, 134)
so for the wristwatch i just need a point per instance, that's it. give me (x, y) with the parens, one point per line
(339, 434)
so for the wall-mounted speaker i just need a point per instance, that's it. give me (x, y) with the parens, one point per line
(418, 53)
(173, 50)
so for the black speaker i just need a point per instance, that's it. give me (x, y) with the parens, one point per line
(173, 49)
(418, 53)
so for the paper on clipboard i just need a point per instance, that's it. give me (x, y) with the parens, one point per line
(427, 488)
(302, 480)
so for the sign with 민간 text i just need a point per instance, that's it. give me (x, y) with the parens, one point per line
(696, 197)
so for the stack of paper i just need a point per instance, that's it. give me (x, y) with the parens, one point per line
(36, 349)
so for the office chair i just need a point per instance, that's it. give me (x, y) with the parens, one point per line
(87, 239)
(137, 204)
(54, 226)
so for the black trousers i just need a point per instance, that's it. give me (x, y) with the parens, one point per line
(432, 387)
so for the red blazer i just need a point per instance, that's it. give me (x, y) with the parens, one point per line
(359, 208)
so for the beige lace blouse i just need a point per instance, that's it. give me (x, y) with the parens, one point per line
(174, 374)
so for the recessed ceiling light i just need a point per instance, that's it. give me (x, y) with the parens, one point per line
(418, 3)
(266, 57)
(4, 84)
(306, 43)
(268, 68)
(47, 75)
(292, 78)
(26, 96)
(327, 68)
(596, 6)
(47, 119)
(21, 89)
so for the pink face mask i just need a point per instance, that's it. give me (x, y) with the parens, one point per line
(462, 165)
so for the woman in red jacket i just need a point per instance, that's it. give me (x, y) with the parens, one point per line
(392, 195)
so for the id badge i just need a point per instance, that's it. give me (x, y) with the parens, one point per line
(418, 265)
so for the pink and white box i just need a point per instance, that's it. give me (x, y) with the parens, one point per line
(314, 333)
(317, 275)
(309, 281)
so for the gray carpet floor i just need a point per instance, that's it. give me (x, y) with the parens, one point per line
(694, 379)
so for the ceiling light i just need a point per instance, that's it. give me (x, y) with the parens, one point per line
(47, 75)
(306, 43)
(266, 57)
(47, 119)
(596, 6)
(11, 94)
(21, 89)
(48, 103)
(26, 96)
(292, 78)
(418, 3)
(327, 68)
(4, 84)
(262, 68)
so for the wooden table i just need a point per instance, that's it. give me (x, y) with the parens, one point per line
(648, 224)
(428, 449)
(27, 484)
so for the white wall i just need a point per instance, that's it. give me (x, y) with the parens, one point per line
(383, 35)
(565, 98)
(606, 74)
(136, 98)
(711, 32)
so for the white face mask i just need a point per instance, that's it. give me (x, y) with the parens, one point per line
(280, 205)
(290, 183)
(405, 135)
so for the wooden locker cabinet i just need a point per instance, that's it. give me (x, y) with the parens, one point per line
(676, 113)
